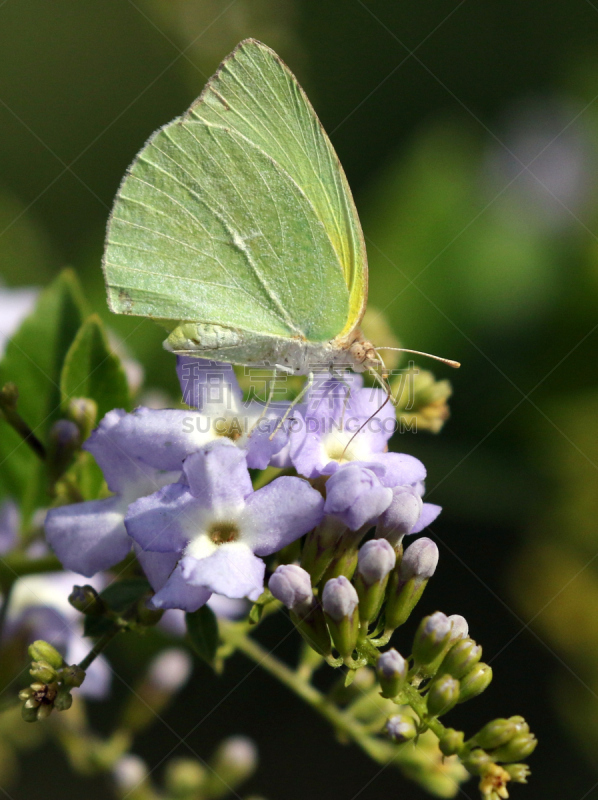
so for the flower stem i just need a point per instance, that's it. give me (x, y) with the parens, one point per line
(100, 646)
(8, 405)
(343, 722)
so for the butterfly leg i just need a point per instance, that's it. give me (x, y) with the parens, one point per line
(308, 384)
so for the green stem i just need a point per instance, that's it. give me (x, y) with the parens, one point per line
(4, 608)
(340, 720)
(15, 565)
(100, 646)
(8, 405)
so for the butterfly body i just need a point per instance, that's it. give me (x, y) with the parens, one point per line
(293, 355)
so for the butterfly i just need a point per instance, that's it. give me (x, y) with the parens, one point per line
(235, 228)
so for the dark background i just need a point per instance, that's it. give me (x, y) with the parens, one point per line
(435, 109)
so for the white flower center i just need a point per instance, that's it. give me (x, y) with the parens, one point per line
(341, 447)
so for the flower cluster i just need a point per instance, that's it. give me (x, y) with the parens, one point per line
(182, 495)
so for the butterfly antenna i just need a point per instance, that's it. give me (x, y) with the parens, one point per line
(447, 361)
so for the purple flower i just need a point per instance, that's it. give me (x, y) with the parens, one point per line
(355, 495)
(343, 422)
(211, 527)
(89, 537)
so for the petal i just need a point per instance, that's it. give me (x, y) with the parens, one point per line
(166, 521)
(232, 570)
(217, 476)
(206, 384)
(401, 469)
(89, 537)
(157, 566)
(179, 593)
(429, 513)
(280, 513)
(261, 445)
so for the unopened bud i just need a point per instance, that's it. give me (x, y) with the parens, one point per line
(184, 778)
(495, 733)
(29, 713)
(399, 518)
(234, 762)
(431, 638)
(408, 580)
(459, 627)
(292, 586)
(340, 601)
(64, 699)
(376, 559)
(451, 742)
(72, 675)
(519, 772)
(475, 682)
(43, 651)
(461, 658)
(518, 747)
(419, 560)
(392, 672)
(84, 412)
(477, 761)
(86, 600)
(443, 695)
(63, 441)
(43, 672)
(401, 728)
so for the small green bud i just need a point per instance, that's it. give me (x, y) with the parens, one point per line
(43, 651)
(64, 699)
(72, 675)
(234, 761)
(43, 672)
(431, 638)
(392, 672)
(519, 772)
(340, 604)
(401, 728)
(184, 778)
(443, 695)
(495, 734)
(25, 694)
(520, 746)
(520, 724)
(32, 702)
(44, 711)
(29, 714)
(376, 559)
(84, 412)
(451, 742)
(461, 658)
(475, 682)
(86, 600)
(477, 761)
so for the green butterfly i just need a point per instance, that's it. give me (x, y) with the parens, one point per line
(235, 228)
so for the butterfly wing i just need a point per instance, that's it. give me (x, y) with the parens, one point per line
(238, 213)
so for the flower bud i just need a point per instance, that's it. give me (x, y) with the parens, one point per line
(408, 580)
(129, 772)
(43, 651)
(320, 545)
(459, 627)
(184, 778)
(392, 672)
(234, 762)
(355, 495)
(84, 412)
(375, 561)
(42, 671)
(475, 682)
(519, 772)
(477, 761)
(401, 728)
(72, 675)
(431, 638)
(518, 747)
(86, 600)
(340, 601)
(292, 586)
(63, 441)
(443, 695)
(461, 658)
(64, 699)
(495, 733)
(451, 742)
(400, 517)
(28, 713)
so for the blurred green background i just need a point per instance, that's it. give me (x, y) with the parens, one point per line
(469, 133)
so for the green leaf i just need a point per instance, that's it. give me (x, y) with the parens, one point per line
(202, 627)
(120, 595)
(33, 361)
(92, 369)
